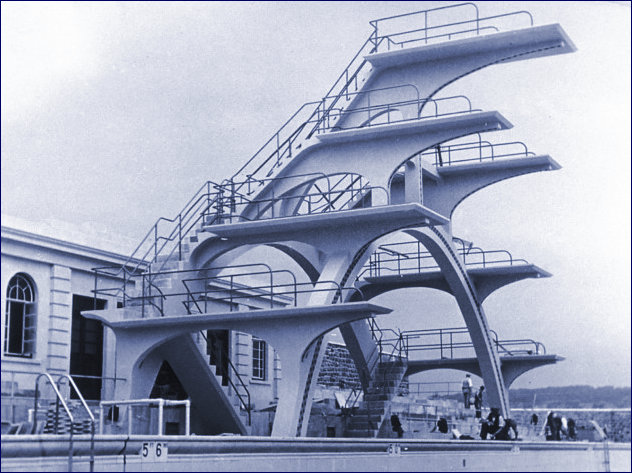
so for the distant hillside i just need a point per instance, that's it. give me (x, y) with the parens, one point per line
(571, 396)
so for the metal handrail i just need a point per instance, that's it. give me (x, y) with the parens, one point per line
(457, 23)
(427, 28)
(264, 205)
(144, 297)
(452, 345)
(87, 409)
(232, 297)
(388, 108)
(411, 261)
(443, 35)
(480, 146)
(59, 398)
(246, 404)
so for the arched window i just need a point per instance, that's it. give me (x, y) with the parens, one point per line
(21, 317)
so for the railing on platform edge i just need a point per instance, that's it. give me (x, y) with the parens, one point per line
(158, 401)
(377, 38)
(377, 263)
(447, 349)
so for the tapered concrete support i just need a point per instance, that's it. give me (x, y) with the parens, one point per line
(511, 366)
(419, 73)
(437, 244)
(460, 181)
(290, 331)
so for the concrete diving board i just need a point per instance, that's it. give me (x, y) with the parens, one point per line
(486, 280)
(484, 120)
(512, 366)
(115, 318)
(286, 226)
(536, 37)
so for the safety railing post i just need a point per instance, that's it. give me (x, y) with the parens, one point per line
(271, 292)
(94, 297)
(161, 403)
(155, 241)
(143, 297)
(231, 292)
(205, 292)
(187, 418)
(179, 237)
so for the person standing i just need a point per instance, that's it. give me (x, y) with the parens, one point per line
(478, 402)
(467, 390)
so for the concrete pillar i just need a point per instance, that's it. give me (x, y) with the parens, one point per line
(60, 320)
(413, 181)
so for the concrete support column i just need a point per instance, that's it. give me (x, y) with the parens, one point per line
(60, 321)
(413, 182)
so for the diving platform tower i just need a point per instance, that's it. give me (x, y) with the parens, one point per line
(358, 189)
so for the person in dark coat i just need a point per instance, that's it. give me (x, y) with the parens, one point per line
(491, 424)
(478, 402)
(509, 431)
(397, 426)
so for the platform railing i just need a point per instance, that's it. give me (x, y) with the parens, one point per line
(434, 388)
(229, 292)
(160, 403)
(452, 342)
(386, 113)
(427, 26)
(310, 203)
(411, 257)
(475, 152)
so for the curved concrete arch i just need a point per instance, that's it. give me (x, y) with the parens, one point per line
(473, 314)
(371, 290)
(512, 367)
(212, 250)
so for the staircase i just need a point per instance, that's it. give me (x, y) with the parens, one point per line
(57, 420)
(231, 382)
(370, 419)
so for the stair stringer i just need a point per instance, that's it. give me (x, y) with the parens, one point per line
(210, 401)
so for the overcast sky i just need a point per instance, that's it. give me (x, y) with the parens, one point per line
(114, 113)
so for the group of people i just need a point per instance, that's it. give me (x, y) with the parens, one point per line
(557, 426)
(494, 426)
(467, 396)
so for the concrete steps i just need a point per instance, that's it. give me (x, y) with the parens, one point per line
(369, 419)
